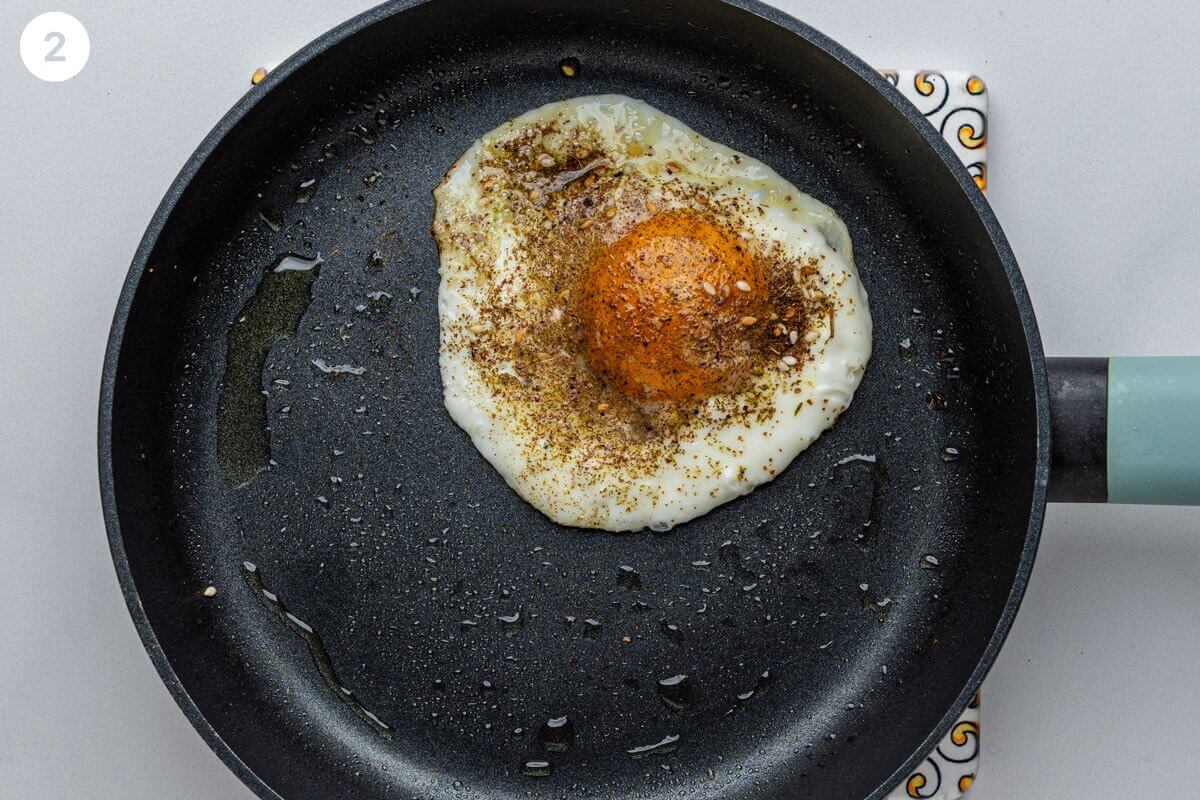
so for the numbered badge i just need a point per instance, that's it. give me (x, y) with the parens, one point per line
(55, 46)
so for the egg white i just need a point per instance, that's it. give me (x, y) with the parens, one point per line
(723, 456)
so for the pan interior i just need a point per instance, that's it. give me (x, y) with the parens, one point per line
(826, 622)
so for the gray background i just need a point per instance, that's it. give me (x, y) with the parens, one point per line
(1094, 169)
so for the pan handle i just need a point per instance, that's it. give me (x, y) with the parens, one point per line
(1125, 430)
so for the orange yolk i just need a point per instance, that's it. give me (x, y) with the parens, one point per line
(670, 309)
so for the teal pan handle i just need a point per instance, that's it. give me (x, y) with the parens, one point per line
(1125, 430)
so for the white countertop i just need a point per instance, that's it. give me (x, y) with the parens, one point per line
(1093, 174)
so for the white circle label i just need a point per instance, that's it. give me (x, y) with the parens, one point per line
(55, 46)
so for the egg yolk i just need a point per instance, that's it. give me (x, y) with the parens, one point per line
(672, 309)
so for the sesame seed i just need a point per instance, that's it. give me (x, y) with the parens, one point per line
(546, 160)
(210, 591)
(789, 360)
(811, 336)
(709, 289)
(743, 286)
(793, 336)
(748, 321)
(610, 212)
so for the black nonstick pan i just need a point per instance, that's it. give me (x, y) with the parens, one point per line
(348, 601)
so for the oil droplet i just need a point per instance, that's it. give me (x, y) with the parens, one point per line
(305, 191)
(274, 310)
(870, 602)
(272, 217)
(671, 631)
(628, 577)
(316, 648)
(676, 692)
(879, 480)
(569, 67)
(729, 551)
(536, 769)
(760, 686)
(364, 133)
(950, 454)
(557, 735)
(665, 745)
(292, 263)
(337, 369)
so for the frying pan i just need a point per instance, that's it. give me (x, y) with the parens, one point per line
(387, 619)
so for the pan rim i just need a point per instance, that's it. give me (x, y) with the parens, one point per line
(301, 57)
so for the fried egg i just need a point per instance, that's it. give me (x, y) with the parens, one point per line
(638, 323)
